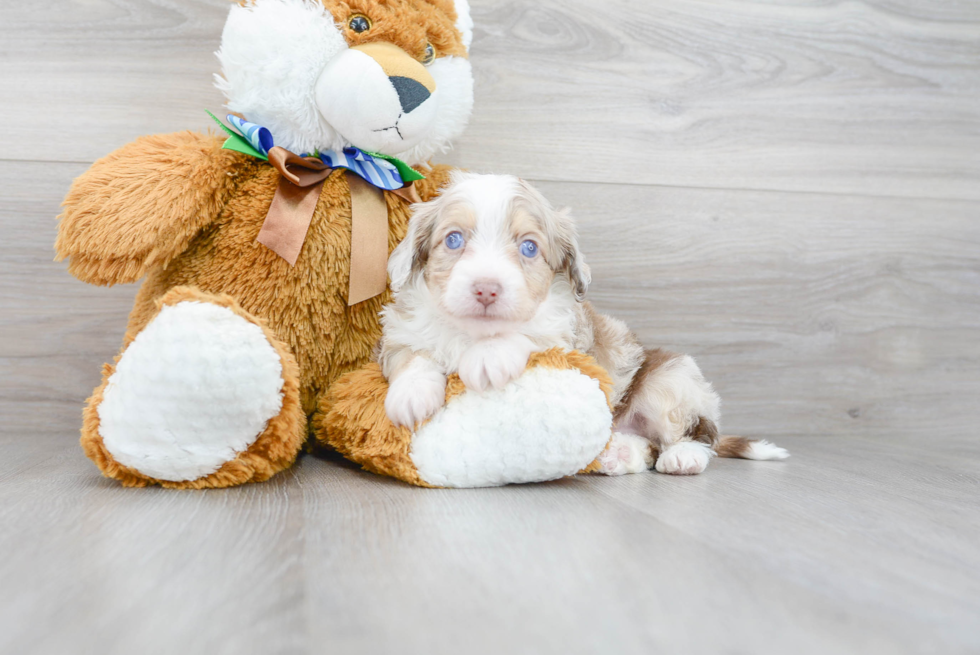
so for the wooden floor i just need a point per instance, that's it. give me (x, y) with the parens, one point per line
(788, 191)
(852, 546)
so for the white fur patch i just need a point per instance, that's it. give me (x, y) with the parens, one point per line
(494, 362)
(626, 453)
(454, 83)
(271, 54)
(545, 425)
(685, 458)
(354, 95)
(195, 388)
(464, 22)
(416, 393)
(763, 450)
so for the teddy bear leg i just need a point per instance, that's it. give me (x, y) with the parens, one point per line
(203, 396)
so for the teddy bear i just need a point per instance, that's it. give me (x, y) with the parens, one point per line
(263, 251)
(247, 315)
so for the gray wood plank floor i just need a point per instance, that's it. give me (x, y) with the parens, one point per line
(790, 192)
(853, 546)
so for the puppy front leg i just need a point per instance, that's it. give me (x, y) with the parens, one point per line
(494, 361)
(416, 389)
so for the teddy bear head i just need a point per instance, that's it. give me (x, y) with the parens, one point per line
(386, 76)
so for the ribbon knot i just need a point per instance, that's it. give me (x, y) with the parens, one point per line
(300, 183)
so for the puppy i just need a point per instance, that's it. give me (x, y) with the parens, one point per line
(488, 273)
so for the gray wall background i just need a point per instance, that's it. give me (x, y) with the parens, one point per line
(788, 191)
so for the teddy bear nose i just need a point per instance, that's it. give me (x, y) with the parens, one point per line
(411, 93)
(486, 291)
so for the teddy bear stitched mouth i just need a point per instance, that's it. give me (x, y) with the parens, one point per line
(393, 127)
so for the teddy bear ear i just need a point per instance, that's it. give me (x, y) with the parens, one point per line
(464, 23)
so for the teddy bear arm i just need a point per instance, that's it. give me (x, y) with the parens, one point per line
(140, 206)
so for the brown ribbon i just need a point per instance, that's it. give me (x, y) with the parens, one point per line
(367, 250)
(300, 182)
(288, 220)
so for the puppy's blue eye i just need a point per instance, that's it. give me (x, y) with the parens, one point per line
(529, 248)
(454, 240)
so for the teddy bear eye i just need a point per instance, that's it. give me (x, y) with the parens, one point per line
(429, 55)
(359, 23)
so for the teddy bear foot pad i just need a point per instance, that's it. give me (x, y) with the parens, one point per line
(545, 425)
(551, 422)
(192, 393)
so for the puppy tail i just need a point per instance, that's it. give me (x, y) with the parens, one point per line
(729, 446)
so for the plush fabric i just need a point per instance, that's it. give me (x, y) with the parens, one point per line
(523, 433)
(273, 450)
(222, 376)
(135, 209)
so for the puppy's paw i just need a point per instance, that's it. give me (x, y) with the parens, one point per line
(416, 394)
(494, 362)
(685, 458)
(626, 453)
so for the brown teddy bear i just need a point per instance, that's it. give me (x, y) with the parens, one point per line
(264, 253)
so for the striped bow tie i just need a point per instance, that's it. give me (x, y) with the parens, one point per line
(301, 180)
(383, 171)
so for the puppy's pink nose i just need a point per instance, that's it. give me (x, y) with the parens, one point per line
(486, 291)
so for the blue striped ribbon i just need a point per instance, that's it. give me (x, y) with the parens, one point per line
(258, 136)
(379, 172)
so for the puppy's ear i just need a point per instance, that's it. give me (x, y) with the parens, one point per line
(572, 261)
(559, 227)
(410, 256)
